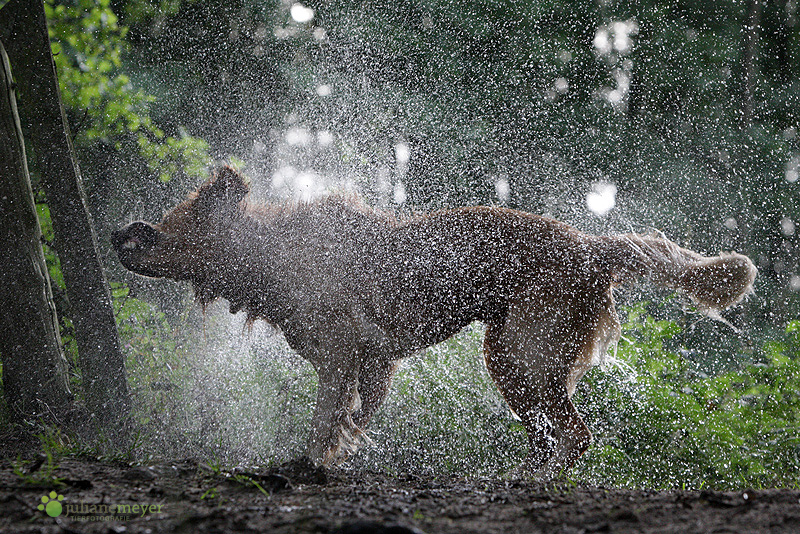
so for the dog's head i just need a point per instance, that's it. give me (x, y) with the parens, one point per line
(184, 245)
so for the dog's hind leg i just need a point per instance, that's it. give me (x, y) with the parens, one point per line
(572, 435)
(522, 397)
(545, 344)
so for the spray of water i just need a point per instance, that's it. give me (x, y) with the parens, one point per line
(240, 395)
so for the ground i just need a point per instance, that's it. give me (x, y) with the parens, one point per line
(188, 496)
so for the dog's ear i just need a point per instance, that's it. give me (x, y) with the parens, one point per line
(222, 193)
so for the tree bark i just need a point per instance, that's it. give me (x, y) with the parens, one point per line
(752, 32)
(99, 353)
(35, 380)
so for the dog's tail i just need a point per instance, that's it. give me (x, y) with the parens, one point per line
(712, 283)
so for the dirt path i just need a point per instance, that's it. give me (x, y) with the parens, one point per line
(187, 497)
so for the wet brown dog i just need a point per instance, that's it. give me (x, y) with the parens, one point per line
(355, 290)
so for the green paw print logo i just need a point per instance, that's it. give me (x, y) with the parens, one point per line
(52, 504)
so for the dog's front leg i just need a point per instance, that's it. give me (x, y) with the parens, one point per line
(334, 434)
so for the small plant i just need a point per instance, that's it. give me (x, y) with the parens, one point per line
(247, 481)
(35, 475)
(40, 471)
(210, 493)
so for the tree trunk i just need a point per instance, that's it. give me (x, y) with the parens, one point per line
(752, 31)
(100, 355)
(34, 368)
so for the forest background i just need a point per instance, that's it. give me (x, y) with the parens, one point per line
(612, 116)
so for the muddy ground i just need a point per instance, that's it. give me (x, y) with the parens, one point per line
(187, 496)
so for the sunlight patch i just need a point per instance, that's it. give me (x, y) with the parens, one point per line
(503, 189)
(301, 13)
(602, 198)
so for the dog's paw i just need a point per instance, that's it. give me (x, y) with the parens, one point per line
(532, 467)
(342, 439)
(535, 470)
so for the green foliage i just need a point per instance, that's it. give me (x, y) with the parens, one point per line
(88, 45)
(664, 423)
(146, 330)
(153, 363)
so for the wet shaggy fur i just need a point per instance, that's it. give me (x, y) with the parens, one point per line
(354, 291)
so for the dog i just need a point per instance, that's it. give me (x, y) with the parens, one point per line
(355, 290)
